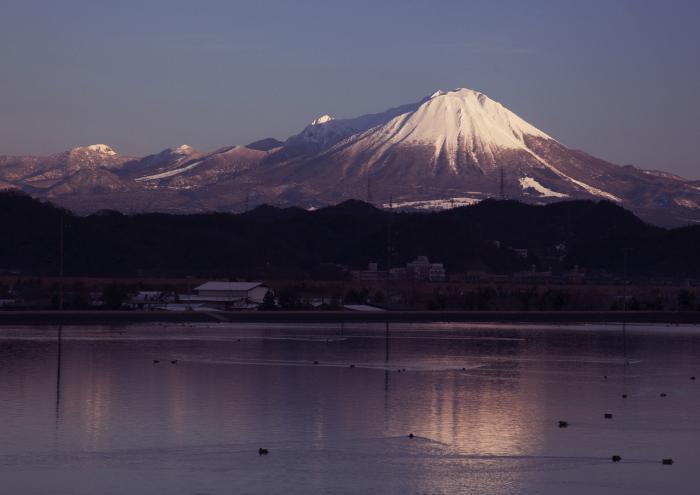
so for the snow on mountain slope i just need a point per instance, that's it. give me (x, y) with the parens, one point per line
(93, 157)
(325, 131)
(169, 173)
(438, 146)
(530, 183)
(434, 204)
(159, 163)
(451, 148)
(46, 171)
(83, 182)
(198, 170)
(451, 123)
(460, 118)
(102, 149)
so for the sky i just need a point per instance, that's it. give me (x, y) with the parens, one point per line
(619, 79)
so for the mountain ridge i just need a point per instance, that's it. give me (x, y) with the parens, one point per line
(450, 148)
(271, 241)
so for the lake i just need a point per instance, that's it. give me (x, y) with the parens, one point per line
(335, 405)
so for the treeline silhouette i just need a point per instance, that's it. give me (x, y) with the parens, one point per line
(294, 243)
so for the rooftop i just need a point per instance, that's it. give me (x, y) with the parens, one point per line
(228, 286)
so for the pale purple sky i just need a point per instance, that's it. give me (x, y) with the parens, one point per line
(618, 79)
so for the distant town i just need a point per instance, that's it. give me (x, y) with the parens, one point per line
(421, 284)
(494, 256)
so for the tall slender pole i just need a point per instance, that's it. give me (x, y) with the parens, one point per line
(58, 370)
(369, 190)
(386, 343)
(624, 306)
(625, 252)
(503, 185)
(388, 249)
(60, 274)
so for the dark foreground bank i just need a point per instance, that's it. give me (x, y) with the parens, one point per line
(118, 317)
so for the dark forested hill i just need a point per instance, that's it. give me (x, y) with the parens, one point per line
(293, 242)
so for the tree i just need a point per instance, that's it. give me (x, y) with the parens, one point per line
(114, 296)
(268, 303)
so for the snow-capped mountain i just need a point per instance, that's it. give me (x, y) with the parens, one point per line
(448, 149)
(45, 172)
(459, 145)
(325, 131)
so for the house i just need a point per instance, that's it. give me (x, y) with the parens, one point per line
(227, 295)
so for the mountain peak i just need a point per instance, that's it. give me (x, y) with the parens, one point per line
(322, 119)
(183, 149)
(101, 148)
(455, 125)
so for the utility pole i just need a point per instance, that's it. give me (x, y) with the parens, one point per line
(369, 190)
(625, 252)
(60, 269)
(503, 185)
(388, 249)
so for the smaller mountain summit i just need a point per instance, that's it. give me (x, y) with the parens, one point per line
(184, 149)
(323, 119)
(322, 133)
(100, 148)
(92, 157)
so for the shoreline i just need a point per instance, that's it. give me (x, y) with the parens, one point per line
(47, 318)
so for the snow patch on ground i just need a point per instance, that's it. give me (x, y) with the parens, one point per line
(433, 204)
(530, 183)
(169, 173)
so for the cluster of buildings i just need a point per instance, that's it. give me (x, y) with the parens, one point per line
(419, 270)
(208, 296)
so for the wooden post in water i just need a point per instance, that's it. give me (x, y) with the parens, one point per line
(386, 341)
(58, 371)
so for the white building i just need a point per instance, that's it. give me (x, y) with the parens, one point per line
(227, 295)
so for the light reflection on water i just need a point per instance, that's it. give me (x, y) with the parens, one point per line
(483, 402)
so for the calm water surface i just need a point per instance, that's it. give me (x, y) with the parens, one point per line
(96, 415)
